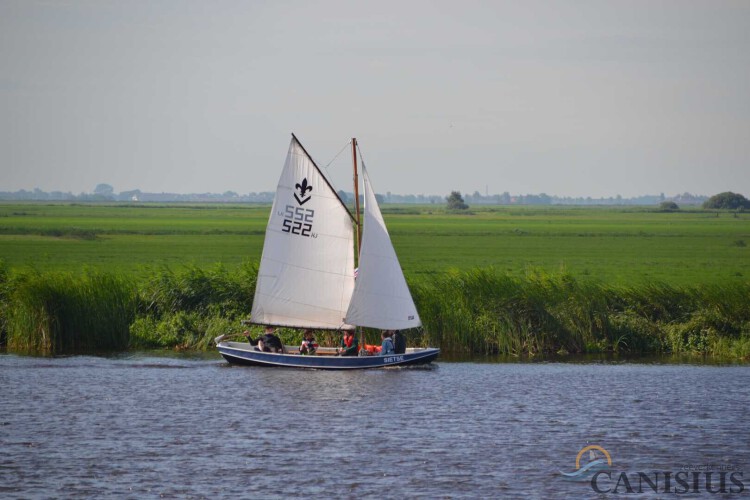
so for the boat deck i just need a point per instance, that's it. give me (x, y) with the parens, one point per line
(325, 358)
(294, 350)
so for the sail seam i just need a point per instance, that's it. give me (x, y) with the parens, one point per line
(296, 266)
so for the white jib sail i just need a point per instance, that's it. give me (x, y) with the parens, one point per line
(306, 274)
(381, 297)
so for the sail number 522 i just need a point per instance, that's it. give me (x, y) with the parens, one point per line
(298, 220)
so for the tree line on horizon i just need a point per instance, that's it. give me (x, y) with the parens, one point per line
(105, 192)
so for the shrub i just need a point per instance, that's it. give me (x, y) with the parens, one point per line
(727, 201)
(456, 201)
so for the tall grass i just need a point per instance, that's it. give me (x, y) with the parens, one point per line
(189, 307)
(475, 311)
(5, 289)
(65, 313)
(484, 311)
(57, 313)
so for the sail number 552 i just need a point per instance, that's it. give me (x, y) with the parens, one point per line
(298, 220)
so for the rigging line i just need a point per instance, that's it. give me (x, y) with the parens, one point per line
(359, 150)
(339, 153)
(334, 158)
(325, 179)
(361, 158)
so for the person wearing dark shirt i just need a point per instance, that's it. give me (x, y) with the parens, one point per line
(268, 342)
(399, 342)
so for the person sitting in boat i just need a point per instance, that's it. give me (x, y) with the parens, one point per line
(399, 342)
(268, 342)
(309, 346)
(387, 347)
(349, 344)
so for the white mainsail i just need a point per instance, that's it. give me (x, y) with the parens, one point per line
(381, 297)
(306, 274)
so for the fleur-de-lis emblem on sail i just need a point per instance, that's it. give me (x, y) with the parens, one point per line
(303, 189)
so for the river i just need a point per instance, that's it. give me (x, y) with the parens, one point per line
(144, 425)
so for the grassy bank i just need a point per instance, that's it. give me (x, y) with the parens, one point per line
(484, 311)
(509, 280)
(475, 311)
(65, 313)
(188, 308)
(61, 313)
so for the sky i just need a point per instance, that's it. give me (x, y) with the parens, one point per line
(569, 98)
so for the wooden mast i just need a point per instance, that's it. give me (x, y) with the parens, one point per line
(356, 197)
(359, 222)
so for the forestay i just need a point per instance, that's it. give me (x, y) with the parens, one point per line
(381, 297)
(306, 274)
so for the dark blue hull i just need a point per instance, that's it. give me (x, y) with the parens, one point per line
(242, 354)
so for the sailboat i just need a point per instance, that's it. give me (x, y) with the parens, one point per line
(307, 277)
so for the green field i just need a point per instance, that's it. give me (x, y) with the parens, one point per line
(613, 245)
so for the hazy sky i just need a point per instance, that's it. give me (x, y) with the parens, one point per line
(577, 98)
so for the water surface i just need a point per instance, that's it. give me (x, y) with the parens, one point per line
(144, 425)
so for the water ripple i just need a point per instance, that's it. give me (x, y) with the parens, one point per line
(144, 426)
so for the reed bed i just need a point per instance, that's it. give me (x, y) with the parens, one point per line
(5, 289)
(473, 311)
(63, 313)
(189, 307)
(484, 311)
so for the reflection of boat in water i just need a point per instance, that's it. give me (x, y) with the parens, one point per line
(307, 279)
